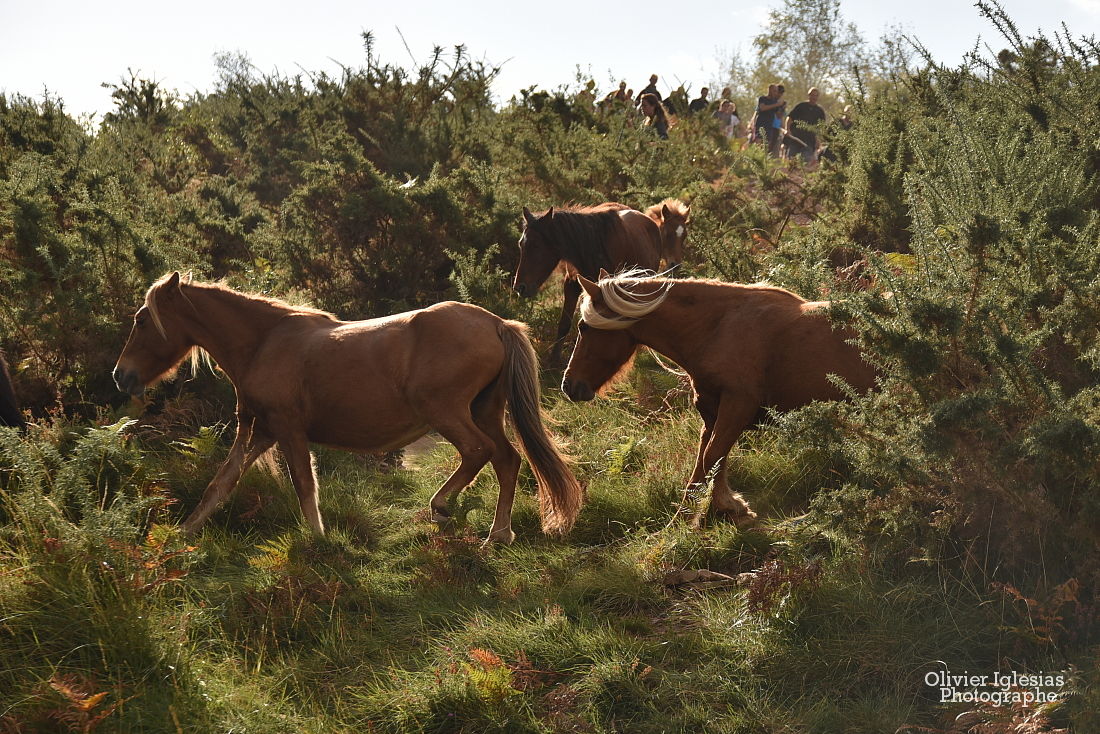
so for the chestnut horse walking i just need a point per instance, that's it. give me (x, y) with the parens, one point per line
(9, 409)
(582, 240)
(301, 376)
(745, 347)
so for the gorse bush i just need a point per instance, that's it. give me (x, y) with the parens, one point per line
(75, 245)
(986, 334)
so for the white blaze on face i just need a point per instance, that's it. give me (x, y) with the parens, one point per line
(679, 230)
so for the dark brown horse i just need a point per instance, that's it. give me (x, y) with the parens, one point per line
(10, 415)
(582, 240)
(745, 347)
(303, 376)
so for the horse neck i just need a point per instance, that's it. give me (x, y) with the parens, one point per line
(638, 245)
(587, 255)
(230, 326)
(676, 330)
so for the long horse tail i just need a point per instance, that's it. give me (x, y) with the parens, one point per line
(560, 494)
(9, 408)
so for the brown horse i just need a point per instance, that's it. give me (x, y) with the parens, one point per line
(745, 347)
(10, 415)
(672, 219)
(303, 376)
(582, 240)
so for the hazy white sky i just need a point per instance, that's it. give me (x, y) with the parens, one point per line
(71, 47)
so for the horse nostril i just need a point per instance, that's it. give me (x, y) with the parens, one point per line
(126, 381)
(577, 391)
(521, 288)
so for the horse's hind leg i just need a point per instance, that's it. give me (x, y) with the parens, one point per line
(248, 446)
(474, 447)
(506, 461)
(295, 449)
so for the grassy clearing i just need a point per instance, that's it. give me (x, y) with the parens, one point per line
(109, 619)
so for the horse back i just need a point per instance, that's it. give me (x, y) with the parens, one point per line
(636, 243)
(411, 348)
(368, 385)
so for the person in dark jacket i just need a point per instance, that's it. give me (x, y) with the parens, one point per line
(700, 103)
(803, 123)
(650, 89)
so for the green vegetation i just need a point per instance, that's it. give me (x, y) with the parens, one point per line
(947, 521)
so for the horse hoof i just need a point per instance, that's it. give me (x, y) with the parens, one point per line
(441, 518)
(503, 537)
(744, 521)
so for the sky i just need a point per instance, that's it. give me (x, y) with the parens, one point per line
(69, 48)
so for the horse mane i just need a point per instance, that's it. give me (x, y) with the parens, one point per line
(199, 356)
(656, 212)
(581, 234)
(623, 295)
(634, 294)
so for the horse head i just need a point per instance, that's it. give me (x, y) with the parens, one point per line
(603, 353)
(537, 255)
(674, 222)
(156, 346)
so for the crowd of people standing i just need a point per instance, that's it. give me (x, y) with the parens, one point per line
(799, 133)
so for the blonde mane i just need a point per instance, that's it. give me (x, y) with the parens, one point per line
(656, 211)
(621, 296)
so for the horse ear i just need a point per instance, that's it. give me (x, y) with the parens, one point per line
(528, 217)
(589, 287)
(549, 213)
(604, 275)
(665, 211)
(188, 278)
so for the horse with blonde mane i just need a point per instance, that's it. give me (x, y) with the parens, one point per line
(746, 348)
(581, 241)
(303, 376)
(672, 218)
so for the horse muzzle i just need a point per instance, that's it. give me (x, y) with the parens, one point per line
(577, 391)
(127, 381)
(522, 290)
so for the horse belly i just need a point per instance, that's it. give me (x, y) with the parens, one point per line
(801, 373)
(366, 423)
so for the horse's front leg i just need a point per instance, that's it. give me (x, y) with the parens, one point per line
(707, 405)
(571, 289)
(248, 446)
(735, 413)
